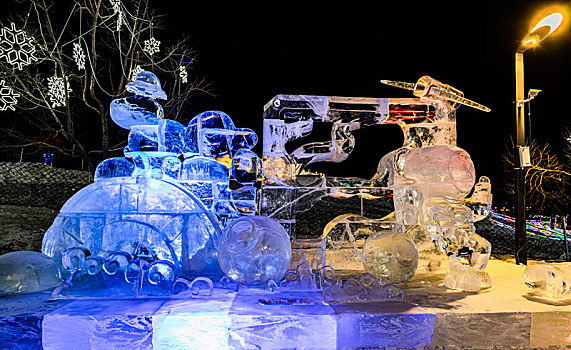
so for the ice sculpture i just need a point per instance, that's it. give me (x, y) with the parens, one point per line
(27, 272)
(151, 200)
(431, 208)
(125, 275)
(389, 253)
(367, 289)
(549, 280)
(254, 250)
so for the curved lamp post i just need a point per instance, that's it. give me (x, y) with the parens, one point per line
(541, 31)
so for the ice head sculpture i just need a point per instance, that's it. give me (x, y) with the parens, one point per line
(254, 250)
(147, 84)
(27, 272)
(389, 253)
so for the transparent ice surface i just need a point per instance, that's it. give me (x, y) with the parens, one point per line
(549, 280)
(390, 254)
(136, 110)
(367, 289)
(27, 272)
(246, 167)
(114, 167)
(254, 250)
(147, 84)
(115, 214)
(122, 274)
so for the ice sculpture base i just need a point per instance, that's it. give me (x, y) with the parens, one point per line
(504, 313)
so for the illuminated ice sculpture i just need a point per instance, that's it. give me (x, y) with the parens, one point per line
(432, 206)
(150, 209)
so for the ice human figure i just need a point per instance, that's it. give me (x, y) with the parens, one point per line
(254, 250)
(27, 272)
(549, 280)
(151, 137)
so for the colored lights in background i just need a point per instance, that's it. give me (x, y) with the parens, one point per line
(540, 228)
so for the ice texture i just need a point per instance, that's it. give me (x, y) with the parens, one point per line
(27, 272)
(367, 289)
(254, 250)
(549, 280)
(147, 84)
(481, 199)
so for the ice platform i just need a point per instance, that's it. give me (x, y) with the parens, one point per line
(431, 316)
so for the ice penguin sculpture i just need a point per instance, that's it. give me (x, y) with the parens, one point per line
(153, 142)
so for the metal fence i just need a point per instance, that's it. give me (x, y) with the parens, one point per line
(39, 185)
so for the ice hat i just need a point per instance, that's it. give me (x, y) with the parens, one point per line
(147, 84)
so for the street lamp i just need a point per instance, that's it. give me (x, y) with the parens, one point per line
(541, 31)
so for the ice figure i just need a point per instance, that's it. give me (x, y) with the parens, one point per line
(27, 272)
(549, 280)
(254, 250)
(151, 137)
(430, 209)
(481, 199)
(432, 194)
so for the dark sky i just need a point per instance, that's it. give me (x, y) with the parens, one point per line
(250, 54)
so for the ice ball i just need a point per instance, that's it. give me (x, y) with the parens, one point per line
(390, 254)
(254, 250)
(27, 272)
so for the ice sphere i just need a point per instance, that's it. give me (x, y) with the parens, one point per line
(135, 110)
(253, 250)
(549, 280)
(27, 272)
(147, 84)
(114, 167)
(389, 253)
(246, 167)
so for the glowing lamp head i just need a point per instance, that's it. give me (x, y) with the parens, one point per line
(541, 31)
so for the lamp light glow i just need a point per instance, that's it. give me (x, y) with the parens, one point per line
(552, 21)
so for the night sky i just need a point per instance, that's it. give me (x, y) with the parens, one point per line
(251, 53)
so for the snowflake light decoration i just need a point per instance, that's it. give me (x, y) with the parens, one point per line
(7, 97)
(152, 46)
(116, 5)
(79, 56)
(183, 74)
(57, 90)
(16, 47)
(136, 71)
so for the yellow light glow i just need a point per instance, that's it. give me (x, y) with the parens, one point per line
(552, 21)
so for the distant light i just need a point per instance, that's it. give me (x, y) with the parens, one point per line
(552, 21)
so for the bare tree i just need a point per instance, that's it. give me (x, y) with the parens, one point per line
(547, 180)
(70, 58)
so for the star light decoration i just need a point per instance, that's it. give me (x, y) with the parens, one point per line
(7, 97)
(16, 47)
(152, 46)
(57, 91)
(135, 71)
(79, 56)
(183, 74)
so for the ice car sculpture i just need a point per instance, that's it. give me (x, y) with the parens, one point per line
(151, 210)
(430, 204)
